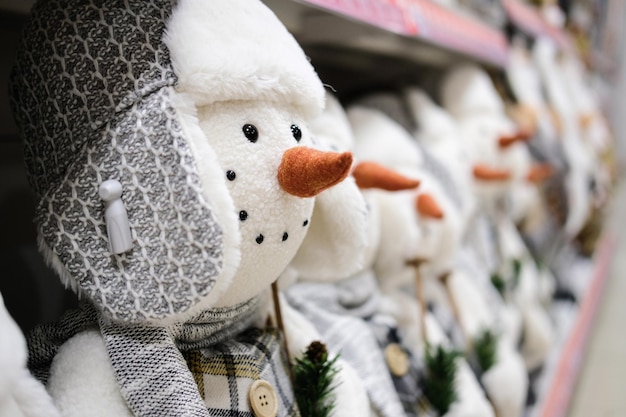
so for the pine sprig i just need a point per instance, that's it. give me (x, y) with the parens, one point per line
(485, 347)
(498, 283)
(439, 387)
(517, 272)
(313, 380)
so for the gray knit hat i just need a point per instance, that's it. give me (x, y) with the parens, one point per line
(92, 92)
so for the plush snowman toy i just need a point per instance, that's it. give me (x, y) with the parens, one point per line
(580, 162)
(468, 83)
(525, 81)
(412, 225)
(196, 114)
(21, 395)
(343, 304)
(594, 130)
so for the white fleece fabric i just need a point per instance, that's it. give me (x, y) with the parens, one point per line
(467, 89)
(274, 223)
(507, 382)
(239, 50)
(21, 395)
(335, 244)
(82, 381)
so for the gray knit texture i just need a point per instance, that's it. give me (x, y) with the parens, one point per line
(91, 92)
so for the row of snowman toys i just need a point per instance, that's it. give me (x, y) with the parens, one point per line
(446, 269)
(432, 199)
(397, 276)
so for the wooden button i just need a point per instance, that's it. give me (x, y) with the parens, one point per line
(397, 360)
(263, 399)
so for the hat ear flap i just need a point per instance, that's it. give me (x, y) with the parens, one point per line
(335, 244)
(180, 214)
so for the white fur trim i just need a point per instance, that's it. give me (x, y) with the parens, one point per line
(239, 50)
(52, 260)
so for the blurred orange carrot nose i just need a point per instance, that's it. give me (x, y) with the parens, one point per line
(306, 172)
(373, 175)
(428, 207)
(487, 173)
(539, 173)
(522, 135)
(506, 141)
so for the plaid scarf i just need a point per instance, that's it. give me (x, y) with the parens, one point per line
(163, 371)
(345, 331)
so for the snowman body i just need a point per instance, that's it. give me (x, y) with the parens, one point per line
(407, 234)
(337, 296)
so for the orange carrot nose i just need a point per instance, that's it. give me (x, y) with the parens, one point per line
(487, 173)
(507, 140)
(373, 175)
(428, 207)
(306, 172)
(539, 173)
(522, 135)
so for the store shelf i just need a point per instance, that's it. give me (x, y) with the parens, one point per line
(453, 31)
(528, 20)
(415, 30)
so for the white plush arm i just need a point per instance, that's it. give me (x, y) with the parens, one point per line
(82, 382)
(21, 395)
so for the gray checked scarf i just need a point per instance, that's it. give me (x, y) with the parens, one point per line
(161, 370)
(345, 314)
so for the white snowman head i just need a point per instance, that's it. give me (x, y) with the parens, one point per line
(495, 141)
(200, 114)
(440, 134)
(414, 224)
(253, 113)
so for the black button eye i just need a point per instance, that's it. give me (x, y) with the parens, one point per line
(252, 134)
(296, 132)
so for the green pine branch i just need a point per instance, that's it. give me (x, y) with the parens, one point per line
(498, 283)
(441, 368)
(313, 380)
(485, 347)
(517, 271)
